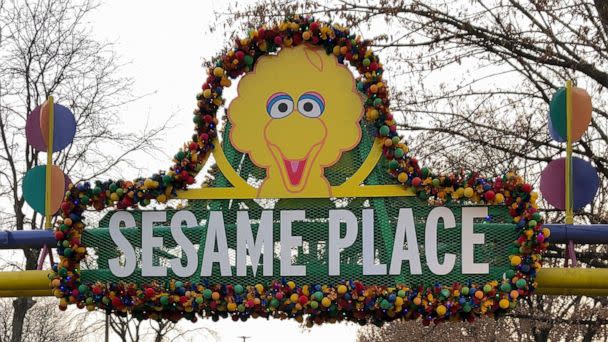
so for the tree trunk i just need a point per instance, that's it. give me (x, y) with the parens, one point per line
(541, 335)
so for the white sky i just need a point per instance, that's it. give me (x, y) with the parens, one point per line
(166, 45)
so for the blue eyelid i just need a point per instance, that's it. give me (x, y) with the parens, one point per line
(275, 98)
(315, 97)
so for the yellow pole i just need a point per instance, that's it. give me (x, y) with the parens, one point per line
(573, 278)
(569, 193)
(24, 280)
(49, 163)
(551, 281)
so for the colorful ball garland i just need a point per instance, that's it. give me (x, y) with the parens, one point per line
(349, 300)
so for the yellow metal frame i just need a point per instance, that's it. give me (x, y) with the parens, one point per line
(49, 162)
(568, 175)
(551, 281)
(351, 188)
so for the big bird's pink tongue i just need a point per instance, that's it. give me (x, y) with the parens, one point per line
(295, 168)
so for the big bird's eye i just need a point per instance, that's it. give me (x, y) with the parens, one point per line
(279, 105)
(311, 105)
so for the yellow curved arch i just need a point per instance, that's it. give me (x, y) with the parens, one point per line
(351, 188)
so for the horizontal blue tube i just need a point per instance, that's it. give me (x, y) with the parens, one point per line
(560, 233)
(27, 239)
(579, 233)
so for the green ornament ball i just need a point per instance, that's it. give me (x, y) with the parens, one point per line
(521, 283)
(384, 131)
(487, 288)
(505, 287)
(248, 60)
(465, 290)
(238, 289)
(399, 153)
(207, 293)
(164, 300)
(425, 172)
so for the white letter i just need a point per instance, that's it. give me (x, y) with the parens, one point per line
(186, 245)
(149, 241)
(245, 241)
(216, 232)
(470, 239)
(430, 241)
(123, 244)
(336, 244)
(369, 250)
(288, 242)
(405, 228)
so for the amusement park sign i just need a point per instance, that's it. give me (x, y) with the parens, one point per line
(249, 249)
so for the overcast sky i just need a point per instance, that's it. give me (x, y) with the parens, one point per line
(165, 46)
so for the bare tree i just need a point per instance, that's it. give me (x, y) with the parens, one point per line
(46, 48)
(471, 81)
(44, 323)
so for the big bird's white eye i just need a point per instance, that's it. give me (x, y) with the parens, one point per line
(279, 105)
(311, 104)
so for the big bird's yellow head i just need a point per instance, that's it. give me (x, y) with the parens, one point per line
(295, 114)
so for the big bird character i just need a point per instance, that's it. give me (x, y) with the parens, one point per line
(295, 114)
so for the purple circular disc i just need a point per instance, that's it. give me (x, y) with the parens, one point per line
(585, 183)
(32, 130)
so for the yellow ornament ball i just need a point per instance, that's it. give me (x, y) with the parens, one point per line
(341, 289)
(441, 310)
(546, 232)
(372, 115)
(503, 303)
(402, 178)
(468, 192)
(398, 301)
(499, 198)
(479, 294)
(417, 301)
(207, 93)
(218, 72)
(515, 260)
(231, 306)
(326, 302)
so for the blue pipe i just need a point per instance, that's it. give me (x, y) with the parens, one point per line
(27, 239)
(579, 233)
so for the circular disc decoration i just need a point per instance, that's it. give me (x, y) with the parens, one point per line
(34, 184)
(37, 127)
(581, 112)
(552, 132)
(585, 183)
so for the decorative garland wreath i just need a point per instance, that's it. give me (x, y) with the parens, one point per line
(350, 300)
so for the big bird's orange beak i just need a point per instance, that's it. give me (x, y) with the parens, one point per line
(295, 143)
